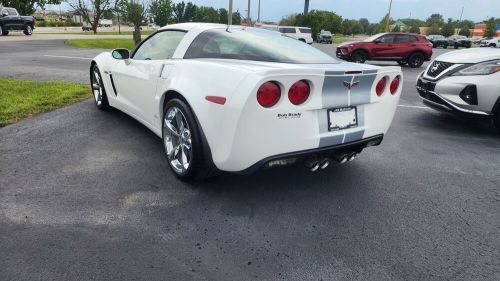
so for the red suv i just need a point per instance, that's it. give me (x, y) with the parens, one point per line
(405, 48)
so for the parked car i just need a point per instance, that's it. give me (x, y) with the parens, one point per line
(86, 27)
(438, 41)
(457, 41)
(268, 27)
(464, 83)
(224, 101)
(10, 20)
(404, 48)
(303, 34)
(105, 23)
(494, 43)
(324, 36)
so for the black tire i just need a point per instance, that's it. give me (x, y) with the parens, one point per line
(456, 46)
(3, 32)
(197, 169)
(28, 30)
(359, 56)
(445, 46)
(402, 62)
(100, 98)
(302, 40)
(434, 46)
(496, 120)
(416, 60)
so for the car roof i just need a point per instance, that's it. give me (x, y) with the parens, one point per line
(294, 26)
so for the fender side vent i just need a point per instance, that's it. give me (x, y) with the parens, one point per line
(113, 84)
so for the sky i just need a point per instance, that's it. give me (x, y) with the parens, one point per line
(373, 10)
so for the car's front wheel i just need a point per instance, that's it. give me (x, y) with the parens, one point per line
(402, 62)
(416, 60)
(496, 120)
(28, 30)
(98, 91)
(182, 142)
(3, 31)
(359, 57)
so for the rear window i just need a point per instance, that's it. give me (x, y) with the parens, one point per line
(305, 30)
(287, 30)
(253, 44)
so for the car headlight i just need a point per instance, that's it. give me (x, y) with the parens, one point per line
(483, 68)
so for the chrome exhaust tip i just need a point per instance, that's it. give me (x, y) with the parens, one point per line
(344, 160)
(324, 163)
(313, 164)
(314, 167)
(352, 157)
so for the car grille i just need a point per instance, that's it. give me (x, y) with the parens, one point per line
(437, 68)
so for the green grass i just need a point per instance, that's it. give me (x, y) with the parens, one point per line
(21, 99)
(101, 43)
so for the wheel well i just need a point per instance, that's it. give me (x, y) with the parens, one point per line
(361, 50)
(496, 107)
(207, 152)
(302, 39)
(414, 53)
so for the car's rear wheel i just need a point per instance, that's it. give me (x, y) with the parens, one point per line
(359, 57)
(98, 91)
(302, 40)
(416, 60)
(456, 46)
(28, 30)
(3, 31)
(182, 142)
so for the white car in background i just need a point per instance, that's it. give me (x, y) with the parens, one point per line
(236, 98)
(494, 43)
(465, 83)
(303, 34)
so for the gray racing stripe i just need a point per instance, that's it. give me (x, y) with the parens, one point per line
(361, 93)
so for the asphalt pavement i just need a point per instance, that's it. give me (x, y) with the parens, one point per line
(87, 195)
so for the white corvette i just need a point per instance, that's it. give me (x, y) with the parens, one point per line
(236, 99)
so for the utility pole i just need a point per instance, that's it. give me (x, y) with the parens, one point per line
(249, 21)
(460, 21)
(306, 7)
(230, 13)
(258, 14)
(388, 18)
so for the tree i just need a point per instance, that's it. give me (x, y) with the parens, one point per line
(434, 30)
(237, 18)
(318, 20)
(223, 15)
(382, 23)
(414, 29)
(161, 11)
(27, 7)
(365, 23)
(288, 20)
(448, 29)
(185, 12)
(490, 31)
(136, 15)
(435, 19)
(207, 14)
(91, 10)
(396, 28)
(465, 32)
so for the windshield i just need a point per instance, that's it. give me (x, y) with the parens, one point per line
(254, 44)
(373, 37)
(326, 33)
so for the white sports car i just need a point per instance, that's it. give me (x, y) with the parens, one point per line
(236, 99)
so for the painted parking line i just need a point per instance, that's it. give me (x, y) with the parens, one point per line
(67, 57)
(413, 106)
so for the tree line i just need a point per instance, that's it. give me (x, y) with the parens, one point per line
(435, 24)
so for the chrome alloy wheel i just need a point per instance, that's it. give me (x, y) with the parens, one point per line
(177, 140)
(97, 87)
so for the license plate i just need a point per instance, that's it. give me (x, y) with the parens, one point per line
(342, 118)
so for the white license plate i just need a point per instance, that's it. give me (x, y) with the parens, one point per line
(342, 118)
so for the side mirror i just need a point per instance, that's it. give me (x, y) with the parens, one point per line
(120, 54)
(5, 14)
(376, 41)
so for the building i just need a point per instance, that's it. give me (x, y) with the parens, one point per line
(479, 29)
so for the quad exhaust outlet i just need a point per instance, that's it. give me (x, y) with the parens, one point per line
(314, 164)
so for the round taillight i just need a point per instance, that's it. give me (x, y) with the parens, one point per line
(395, 84)
(380, 88)
(268, 94)
(299, 92)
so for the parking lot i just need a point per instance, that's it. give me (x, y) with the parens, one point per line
(88, 195)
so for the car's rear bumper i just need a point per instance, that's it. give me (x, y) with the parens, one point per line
(292, 158)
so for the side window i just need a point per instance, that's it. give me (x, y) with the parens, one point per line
(402, 39)
(305, 30)
(12, 12)
(161, 46)
(387, 39)
(287, 30)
